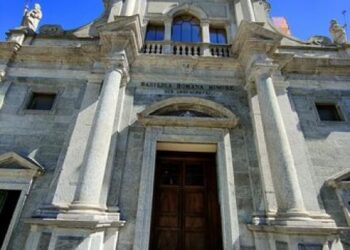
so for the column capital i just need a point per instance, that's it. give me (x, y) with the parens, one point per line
(168, 20)
(2, 74)
(261, 70)
(204, 23)
(118, 62)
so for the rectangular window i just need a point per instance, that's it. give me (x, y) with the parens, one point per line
(328, 112)
(217, 35)
(41, 101)
(8, 203)
(155, 33)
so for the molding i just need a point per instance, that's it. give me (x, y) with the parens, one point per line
(226, 187)
(219, 116)
(186, 8)
(338, 179)
(297, 230)
(114, 222)
(18, 176)
(26, 163)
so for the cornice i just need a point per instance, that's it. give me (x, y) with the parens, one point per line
(313, 64)
(124, 34)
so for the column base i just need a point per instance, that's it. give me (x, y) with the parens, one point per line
(78, 207)
(78, 231)
(296, 237)
(295, 219)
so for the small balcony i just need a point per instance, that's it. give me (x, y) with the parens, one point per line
(186, 49)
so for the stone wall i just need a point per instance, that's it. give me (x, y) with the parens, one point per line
(41, 134)
(328, 143)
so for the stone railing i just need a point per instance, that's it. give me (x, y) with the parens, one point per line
(153, 48)
(220, 50)
(186, 49)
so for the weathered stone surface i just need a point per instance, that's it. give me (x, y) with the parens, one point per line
(275, 160)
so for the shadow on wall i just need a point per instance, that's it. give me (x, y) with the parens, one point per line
(332, 207)
(311, 123)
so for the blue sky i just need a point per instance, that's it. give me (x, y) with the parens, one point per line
(305, 17)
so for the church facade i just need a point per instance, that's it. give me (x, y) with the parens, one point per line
(174, 125)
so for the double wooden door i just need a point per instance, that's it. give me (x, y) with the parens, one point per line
(186, 214)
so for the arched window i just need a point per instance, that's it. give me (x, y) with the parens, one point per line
(186, 28)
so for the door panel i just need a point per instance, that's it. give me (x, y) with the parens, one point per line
(195, 241)
(194, 202)
(167, 239)
(186, 213)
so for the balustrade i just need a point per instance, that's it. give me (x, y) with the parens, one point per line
(185, 49)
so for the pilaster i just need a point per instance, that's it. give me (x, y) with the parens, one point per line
(205, 37)
(115, 10)
(248, 10)
(167, 35)
(129, 7)
(261, 9)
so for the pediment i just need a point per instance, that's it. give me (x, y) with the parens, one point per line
(15, 162)
(188, 111)
(340, 179)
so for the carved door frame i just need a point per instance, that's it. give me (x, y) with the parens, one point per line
(226, 188)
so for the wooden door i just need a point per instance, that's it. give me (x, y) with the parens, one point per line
(186, 213)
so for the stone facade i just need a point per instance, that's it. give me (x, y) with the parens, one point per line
(85, 167)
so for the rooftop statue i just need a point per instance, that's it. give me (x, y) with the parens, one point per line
(32, 17)
(338, 32)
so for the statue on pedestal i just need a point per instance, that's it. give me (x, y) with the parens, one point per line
(32, 17)
(338, 32)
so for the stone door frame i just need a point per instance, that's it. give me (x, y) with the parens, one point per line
(226, 187)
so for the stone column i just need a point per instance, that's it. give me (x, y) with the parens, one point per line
(205, 38)
(88, 194)
(288, 194)
(248, 10)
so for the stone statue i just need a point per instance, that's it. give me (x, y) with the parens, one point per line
(32, 17)
(337, 32)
